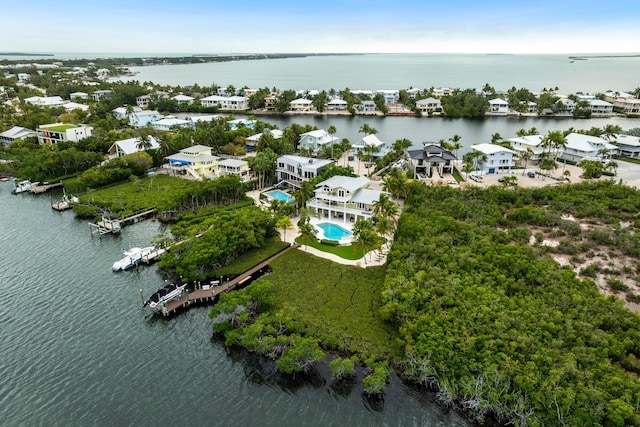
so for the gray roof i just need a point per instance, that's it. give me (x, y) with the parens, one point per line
(17, 132)
(232, 163)
(348, 183)
(432, 153)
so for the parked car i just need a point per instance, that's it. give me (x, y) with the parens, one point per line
(531, 174)
(501, 179)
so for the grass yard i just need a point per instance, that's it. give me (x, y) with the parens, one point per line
(252, 258)
(346, 252)
(338, 304)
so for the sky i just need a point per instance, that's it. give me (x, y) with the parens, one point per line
(329, 26)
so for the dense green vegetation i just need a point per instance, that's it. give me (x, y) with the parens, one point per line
(496, 327)
(251, 258)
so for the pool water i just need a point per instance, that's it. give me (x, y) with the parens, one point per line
(334, 231)
(279, 195)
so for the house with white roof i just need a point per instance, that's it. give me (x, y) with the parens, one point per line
(59, 132)
(528, 143)
(367, 107)
(130, 146)
(493, 159)
(45, 101)
(252, 141)
(14, 134)
(442, 91)
(239, 168)
(600, 107)
(78, 95)
(586, 147)
(70, 106)
(294, 169)
(627, 144)
(169, 123)
(183, 99)
(390, 96)
(498, 106)
(234, 103)
(195, 161)
(371, 140)
(207, 118)
(142, 118)
(313, 140)
(337, 105)
(430, 159)
(627, 102)
(430, 106)
(343, 199)
(122, 113)
(301, 105)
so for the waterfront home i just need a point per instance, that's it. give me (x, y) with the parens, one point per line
(239, 168)
(380, 149)
(58, 132)
(343, 198)
(101, 94)
(130, 146)
(429, 106)
(45, 101)
(567, 104)
(528, 143)
(430, 159)
(442, 91)
(122, 113)
(337, 105)
(14, 134)
(600, 107)
(493, 158)
(142, 118)
(313, 140)
(183, 99)
(531, 107)
(390, 96)
(195, 161)
(293, 169)
(367, 107)
(586, 147)
(625, 101)
(627, 144)
(235, 103)
(252, 141)
(170, 122)
(143, 101)
(498, 106)
(301, 105)
(271, 102)
(78, 95)
(413, 93)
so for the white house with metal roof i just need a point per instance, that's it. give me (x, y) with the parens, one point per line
(130, 146)
(531, 143)
(381, 147)
(493, 159)
(600, 107)
(252, 141)
(14, 134)
(628, 145)
(292, 169)
(183, 99)
(429, 106)
(498, 106)
(225, 103)
(142, 118)
(586, 147)
(169, 123)
(45, 101)
(301, 105)
(343, 199)
(237, 167)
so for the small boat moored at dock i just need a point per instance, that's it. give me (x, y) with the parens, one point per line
(165, 294)
(23, 186)
(132, 257)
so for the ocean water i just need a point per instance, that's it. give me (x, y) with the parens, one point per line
(402, 71)
(78, 350)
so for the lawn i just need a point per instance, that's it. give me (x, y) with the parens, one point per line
(338, 304)
(252, 258)
(346, 252)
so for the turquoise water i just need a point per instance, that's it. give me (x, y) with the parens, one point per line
(280, 195)
(334, 231)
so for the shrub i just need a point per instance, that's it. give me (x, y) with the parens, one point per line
(329, 242)
(617, 285)
(590, 270)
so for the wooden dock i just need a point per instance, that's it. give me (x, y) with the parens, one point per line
(45, 187)
(202, 296)
(114, 226)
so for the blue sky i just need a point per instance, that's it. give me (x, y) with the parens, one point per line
(198, 26)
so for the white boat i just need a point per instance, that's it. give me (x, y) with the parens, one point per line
(132, 257)
(163, 295)
(23, 186)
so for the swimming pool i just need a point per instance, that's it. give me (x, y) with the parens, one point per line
(334, 231)
(279, 195)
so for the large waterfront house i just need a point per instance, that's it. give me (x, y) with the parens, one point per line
(390, 96)
(14, 134)
(235, 103)
(301, 105)
(239, 168)
(130, 146)
(345, 199)
(429, 106)
(378, 148)
(292, 169)
(493, 158)
(432, 157)
(628, 145)
(367, 107)
(599, 107)
(442, 91)
(169, 123)
(195, 161)
(625, 101)
(528, 143)
(313, 140)
(59, 132)
(142, 118)
(337, 105)
(498, 106)
(586, 147)
(45, 101)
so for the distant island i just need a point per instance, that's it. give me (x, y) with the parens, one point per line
(24, 54)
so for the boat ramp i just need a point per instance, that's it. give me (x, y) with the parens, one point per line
(206, 294)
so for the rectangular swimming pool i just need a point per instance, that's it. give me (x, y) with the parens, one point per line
(279, 195)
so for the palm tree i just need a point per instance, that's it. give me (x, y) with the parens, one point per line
(284, 223)
(526, 156)
(455, 144)
(495, 138)
(365, 237)
(368, 130)
(613, 166)
(346, 147)
(144, 143)
(306, 233)
(384, 207)
(332, 131)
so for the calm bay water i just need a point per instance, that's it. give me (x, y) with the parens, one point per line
(402, 71)
(78, 350)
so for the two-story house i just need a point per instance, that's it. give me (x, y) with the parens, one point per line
(59, 132)
(498, 106)
(294, 169)
(301, 105)
(313, 140)
(195, 161)
(130, 146)
(142, 118)
(14, 134)
(432, 158)
(390, 96)
(430, 106)
(376, 147)
(239, 168)
(493, 158)
(235, 103)
(343, 198)
(586, 147)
